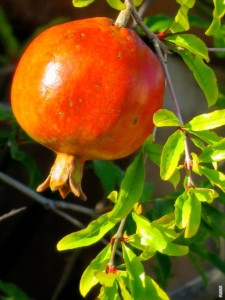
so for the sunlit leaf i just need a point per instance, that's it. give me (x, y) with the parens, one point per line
(214, 26)
(85, 237)
(172, 152)
(191, 43)
(195, 163)
(99, 263)
(82, 3)
(179, 209)
(207, 121)
(124, 292)
(203, 75)
(130, 190)
(164, 117)
(104, 278)
(198, 143)
(216, 178)
(180, 22)
(167, 221)
(192, 206)
(207, 136)
(117, 4)
(136, 273)
(214, 152)
(137, 2)
(153, 289)
(113, 196)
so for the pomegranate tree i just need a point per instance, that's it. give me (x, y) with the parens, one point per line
(87, 90)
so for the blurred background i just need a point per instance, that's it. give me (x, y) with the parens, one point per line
(28, 255)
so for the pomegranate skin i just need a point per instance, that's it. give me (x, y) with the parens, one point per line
(88, 89)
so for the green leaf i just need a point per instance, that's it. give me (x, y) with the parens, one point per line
(219, 230)
(167, 221)
(195, 164)
(88, 236)
(109, 293)
(207, 136)
(5, 112)
(157, 239)
(147, 191)
(99, 263)
(211, 258)
(213, 213)
(113, 196)
(179, 209)
(216, 178)
(206, 121)
(153, 290)
(198, 143)
(137, 2)
(192, 207)
(117, 4)
(191, 43)
(164, 117)
(136, 273)
(158, 23)
(172, 152)
(175, 178)
(214, 152)
(82, 3)
(204, 195)
(8, 39)
(109, 174)
(180, 22)
(12, 291)
(104, 278)
(219, 10)
(130, 190)
(219, 41)
(216, 23)
(124, 292)
(154, 152)
(203, 75)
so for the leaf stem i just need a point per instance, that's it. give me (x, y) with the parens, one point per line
(116, 237)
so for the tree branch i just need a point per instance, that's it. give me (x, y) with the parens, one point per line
(216, 49)
(125, 14)
(48, 203)
(12, 213)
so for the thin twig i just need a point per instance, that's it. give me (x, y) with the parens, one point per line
(143, 8)
(12, 213)
(66, 273)
(216, 49)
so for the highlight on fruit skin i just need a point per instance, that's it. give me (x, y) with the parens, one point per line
(86, 90)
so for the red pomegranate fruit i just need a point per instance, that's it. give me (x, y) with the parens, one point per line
(87, 90)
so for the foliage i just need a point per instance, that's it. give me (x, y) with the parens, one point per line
(180, 223)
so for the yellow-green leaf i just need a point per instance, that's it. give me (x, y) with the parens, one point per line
(190, 42)
(82, 3)
(203, 75)
(117, 4)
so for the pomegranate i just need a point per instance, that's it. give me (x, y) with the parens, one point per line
(87, 90)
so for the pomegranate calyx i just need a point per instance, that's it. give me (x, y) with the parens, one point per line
(65, 176)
